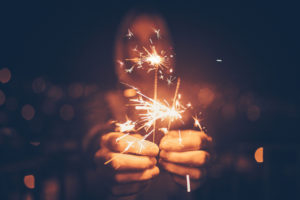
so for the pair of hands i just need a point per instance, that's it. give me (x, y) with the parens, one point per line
(134, 163)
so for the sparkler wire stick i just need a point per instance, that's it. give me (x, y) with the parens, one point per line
(155, 97)
(174, 99)
(188, 184)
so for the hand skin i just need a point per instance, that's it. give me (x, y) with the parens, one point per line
(131, 169)
(188, 155)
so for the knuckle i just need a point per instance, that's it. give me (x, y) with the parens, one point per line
(197, 174)
(115, 164)
(117, 178)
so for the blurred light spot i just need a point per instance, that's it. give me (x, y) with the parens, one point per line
(228, 111)
(6, 131)
(50, 189)
(90, 89)
(219, 60)
(29, 181)
(67, 112)
(75, 90)
(259, 155)
(35, 143)
(38, 85)
(5, 75)
(129, 93)
(243, 164)
(55, 93)
(206, 96)
(28, 196)
(28, 112)
(11, 103)
(253, 113)
(2, 98)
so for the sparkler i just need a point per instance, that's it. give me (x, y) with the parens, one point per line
(150, 109)
(154, 60)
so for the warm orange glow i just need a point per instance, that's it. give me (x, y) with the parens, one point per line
(29, 181)
(206, 96)
(5, 75)
(28, 112)
(67, 112)
(75, 90)
(129, 92)
(259, 155)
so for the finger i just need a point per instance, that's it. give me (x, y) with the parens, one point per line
(187, 140)
(128, 188)
(180, 170)
(137, 176)
(125, 161)
(191, 158)
(129, 144)
(183, 182)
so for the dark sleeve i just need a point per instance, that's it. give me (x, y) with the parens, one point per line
(96, 117)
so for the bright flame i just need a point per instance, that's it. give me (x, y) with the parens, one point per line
(197, 123)
(126, 126)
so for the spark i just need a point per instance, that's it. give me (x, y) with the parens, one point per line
(127, 126)
(157, 31)
(121, 64)
(152, 110)
(150, 40)
(129, 70)
(135, 48)
(121, 137)
(170, 80)
(197, 123)
(219, 60)
(129, 34)
(164, 130)
(149, 59)
(179, 137)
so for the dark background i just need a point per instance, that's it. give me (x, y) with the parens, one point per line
(67, 45)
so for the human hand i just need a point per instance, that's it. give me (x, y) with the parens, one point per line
(132, 164)
(186, 152)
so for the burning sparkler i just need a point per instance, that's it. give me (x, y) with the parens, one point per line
(150, 109)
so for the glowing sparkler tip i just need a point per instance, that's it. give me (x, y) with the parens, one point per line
(129, 34)
(127, 126)
(197, 123)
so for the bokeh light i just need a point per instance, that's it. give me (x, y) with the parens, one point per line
(29, 181)
(5, 75)
(55, 93)
(35, 143)
(75, 90)
(67, 112)
(38, 85)
(129, 93)
(259, 155)
(28, 112)
(206, 96)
